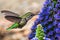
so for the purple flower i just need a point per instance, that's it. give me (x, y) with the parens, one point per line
(45, 29)
(57, 5)
(50, 26)
(57, 30)
(58, 0)
(52, 4)
(47, 39)
(57, 17)
(59, 25)
(57, 36)
(50, 19)
(50, 7)
(58, 12)
(33, 27)
(33, 31)
(55, 23)
(50, 33)
(54, 9)
(31, 36)
(35, 38)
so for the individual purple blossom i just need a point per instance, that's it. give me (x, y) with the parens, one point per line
(59, 25)
(57, 17)
(50, 26)
(57, 30)
(55, 23)
(57, 5)
(33, 31)
(52, 4)
(54, 9)
(48, 1)
(50, 19)
(58, 12)
(50, 33)
(35, 38)
(47, 39)
(58, 0)
(57, 36)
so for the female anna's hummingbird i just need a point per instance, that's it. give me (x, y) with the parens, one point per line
(19, 21)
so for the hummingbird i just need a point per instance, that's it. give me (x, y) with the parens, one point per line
(19, 21)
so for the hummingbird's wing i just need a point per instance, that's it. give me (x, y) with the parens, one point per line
(13, 18)
(9, 13)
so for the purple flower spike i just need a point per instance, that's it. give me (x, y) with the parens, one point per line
(49, 18)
